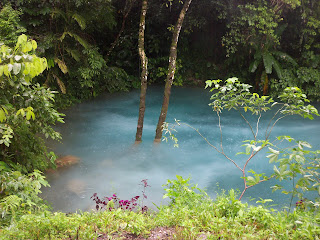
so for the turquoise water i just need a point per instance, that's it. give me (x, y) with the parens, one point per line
(101, 132)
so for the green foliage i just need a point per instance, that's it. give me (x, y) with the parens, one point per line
(64, 31)
(99, 77)
(26, 109)
(301, 166)
(234, 95)
(311, 28)
(189, 216)
(158, 70)
(254, 24)
(19, 195)
(306, 77)
(182, 193)
(10, 27)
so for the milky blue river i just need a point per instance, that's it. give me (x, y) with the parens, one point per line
(101, 132)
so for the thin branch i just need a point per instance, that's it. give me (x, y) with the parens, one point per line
(258, 121)
(247, 187)
(247, 123)
(211, 145)
(272, 119)
(275, 124)
(248, 160)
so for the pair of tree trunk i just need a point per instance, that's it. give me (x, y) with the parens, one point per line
(170, 75)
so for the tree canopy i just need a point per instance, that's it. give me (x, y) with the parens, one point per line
(91, 46)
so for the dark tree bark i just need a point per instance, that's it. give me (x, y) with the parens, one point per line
(171, 70)
(144, 71)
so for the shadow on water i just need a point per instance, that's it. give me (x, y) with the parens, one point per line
(101, 133)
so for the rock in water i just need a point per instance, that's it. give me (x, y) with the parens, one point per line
(77, 186)
(67, 161)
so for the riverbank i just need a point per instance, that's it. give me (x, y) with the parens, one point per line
(190, 215)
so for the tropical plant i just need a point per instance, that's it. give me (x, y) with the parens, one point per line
(265, 60)
(19, 194)
(26, 109)
(10, 27)
(234, 95)
(256, 31)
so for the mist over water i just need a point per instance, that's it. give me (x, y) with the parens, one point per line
(101, 132)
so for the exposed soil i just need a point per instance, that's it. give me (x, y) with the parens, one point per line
(155, 234)
(158, 233)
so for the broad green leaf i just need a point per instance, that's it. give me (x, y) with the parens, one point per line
(6, 70)
(16, 68)
(80, 20)
(276, 170)
(179, 178)
(1, 70)
(21, 39)
(278, 68)
(272, 158)
(34, 44)
(305, 144)
(256, 148)
(253, 66)
(2, 115)
(29, 46)
(28, 115)
(285, 57)
(80, 40)
(208, 83)
(273, 151)
(250, 180)
(268, 61)
(20, 112)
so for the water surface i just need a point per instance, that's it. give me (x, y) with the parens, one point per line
(101, 132)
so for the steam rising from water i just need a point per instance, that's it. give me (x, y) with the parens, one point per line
(101, 133)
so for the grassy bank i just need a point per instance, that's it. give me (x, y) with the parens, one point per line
(191, 215)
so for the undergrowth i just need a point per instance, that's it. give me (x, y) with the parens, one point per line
(191, 213)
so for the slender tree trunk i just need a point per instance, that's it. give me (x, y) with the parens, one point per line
(171, 70)
(127, 10)
(264, 77)
(144, 71)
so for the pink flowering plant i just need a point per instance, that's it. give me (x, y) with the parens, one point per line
(114, 202)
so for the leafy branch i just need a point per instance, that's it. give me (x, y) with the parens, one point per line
(234, 95)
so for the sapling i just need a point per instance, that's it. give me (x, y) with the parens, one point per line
(234, 95)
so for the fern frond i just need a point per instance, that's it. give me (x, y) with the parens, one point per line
(80, 20)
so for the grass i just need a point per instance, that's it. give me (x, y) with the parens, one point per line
(191, 215)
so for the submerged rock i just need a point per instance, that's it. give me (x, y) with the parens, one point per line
(67, 161)
(77, 186)
(63, 162)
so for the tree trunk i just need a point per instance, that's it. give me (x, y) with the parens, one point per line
(171, 70)
(144, 71)
(127, 9)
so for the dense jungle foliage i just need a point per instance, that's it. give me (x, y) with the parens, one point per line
(270, 44)
(57, 52)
